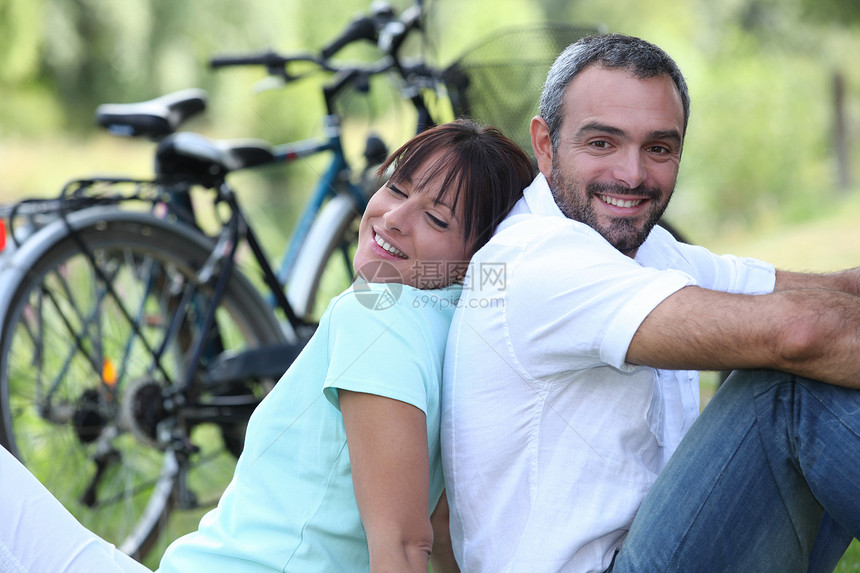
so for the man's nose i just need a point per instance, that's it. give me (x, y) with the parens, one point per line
(629, 168)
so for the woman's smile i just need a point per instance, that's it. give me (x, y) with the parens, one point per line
(388, 247)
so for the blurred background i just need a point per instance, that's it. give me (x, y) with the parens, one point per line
(770, 166)
(775, 96)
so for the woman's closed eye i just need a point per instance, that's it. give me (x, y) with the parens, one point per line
(436, 221)
(396, 190)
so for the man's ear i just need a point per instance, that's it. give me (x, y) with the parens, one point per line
(542, 145)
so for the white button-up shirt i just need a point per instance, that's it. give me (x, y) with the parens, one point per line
(550, 439)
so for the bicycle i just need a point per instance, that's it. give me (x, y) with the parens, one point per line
(133, 346)
(172, 344)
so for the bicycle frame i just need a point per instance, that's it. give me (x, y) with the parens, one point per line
(335, 177)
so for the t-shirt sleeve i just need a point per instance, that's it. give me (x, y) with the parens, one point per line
(585, 302)
(374, 351)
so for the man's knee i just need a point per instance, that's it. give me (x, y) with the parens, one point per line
(750, 383)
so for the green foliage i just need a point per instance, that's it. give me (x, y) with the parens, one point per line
(756, 139)
(761, 144)
(760, 73)
(19, 43)
(836, 12)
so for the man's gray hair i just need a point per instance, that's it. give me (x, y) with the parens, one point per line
(641, 58)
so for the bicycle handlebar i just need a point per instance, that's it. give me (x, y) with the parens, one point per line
(360, 29)
(381, 26)
(267, 59)
(391, 36)
(274, 63)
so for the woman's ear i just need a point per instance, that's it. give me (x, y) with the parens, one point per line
(541, 145)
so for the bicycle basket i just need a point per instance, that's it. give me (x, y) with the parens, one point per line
(498, 81)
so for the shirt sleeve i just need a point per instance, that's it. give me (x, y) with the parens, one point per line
(585, 301)
(378, 352)
(725, 273)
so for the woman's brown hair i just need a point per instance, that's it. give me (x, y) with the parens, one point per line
(483, 168)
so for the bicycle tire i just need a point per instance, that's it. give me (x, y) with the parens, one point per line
(323, 267)
(53, 398)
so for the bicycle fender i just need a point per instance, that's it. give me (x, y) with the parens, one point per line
(319, 242)
(17, 263)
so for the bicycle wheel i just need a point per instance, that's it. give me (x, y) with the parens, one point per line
(323, 267)
(87, 354)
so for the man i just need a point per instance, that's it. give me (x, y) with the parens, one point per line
(570, 384)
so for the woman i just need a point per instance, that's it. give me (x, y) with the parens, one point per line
(341, 468)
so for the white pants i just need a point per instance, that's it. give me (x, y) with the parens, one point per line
(38, 534)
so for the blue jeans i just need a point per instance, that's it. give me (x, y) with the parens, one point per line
(767, 479)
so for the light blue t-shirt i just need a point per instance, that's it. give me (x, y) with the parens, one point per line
(291, 504)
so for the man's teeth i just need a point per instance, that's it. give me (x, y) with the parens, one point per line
(620, 202)
(387, 246)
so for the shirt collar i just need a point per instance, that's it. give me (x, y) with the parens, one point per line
(537, 200)
(540, 199)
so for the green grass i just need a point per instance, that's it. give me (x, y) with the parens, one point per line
(851, 561)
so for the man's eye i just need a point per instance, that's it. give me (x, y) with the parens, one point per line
(600, 144)
(437, 221)
(659, 149)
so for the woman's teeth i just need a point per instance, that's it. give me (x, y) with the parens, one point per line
(387, 246)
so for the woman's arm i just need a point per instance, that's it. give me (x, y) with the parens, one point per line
(388, 453)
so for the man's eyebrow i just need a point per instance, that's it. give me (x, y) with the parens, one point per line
(597, 127)
(671, 134)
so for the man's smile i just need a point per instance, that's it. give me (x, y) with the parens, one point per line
(615, 202)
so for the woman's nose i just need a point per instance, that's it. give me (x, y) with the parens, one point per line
(398, 217)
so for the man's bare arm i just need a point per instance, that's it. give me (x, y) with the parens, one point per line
(847, 281)
(812, 332)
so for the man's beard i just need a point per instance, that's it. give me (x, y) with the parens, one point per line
(621, 232)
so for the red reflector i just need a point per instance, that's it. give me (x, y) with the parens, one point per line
(2, 234)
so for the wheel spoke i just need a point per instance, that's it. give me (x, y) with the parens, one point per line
(91, 345)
